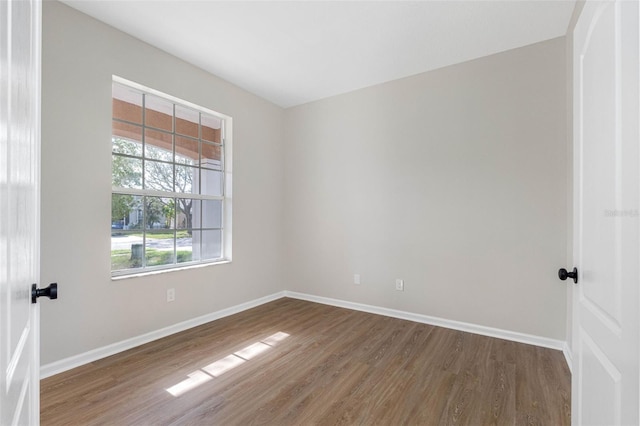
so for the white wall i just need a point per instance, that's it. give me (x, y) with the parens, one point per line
(453, 180)
(79, 57)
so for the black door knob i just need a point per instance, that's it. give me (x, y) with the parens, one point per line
(51, 292)
(563, 274)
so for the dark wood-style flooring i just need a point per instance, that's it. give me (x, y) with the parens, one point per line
(291, 362)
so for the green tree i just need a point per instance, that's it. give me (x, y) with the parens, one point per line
(169, 210)
(126, 172)
(154, 211)
(121, 205)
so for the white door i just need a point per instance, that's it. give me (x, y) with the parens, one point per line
(606, 215)
(19, 210)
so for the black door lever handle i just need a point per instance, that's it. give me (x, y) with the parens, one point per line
(563, 274)
(51, 292)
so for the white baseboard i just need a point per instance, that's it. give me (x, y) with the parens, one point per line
(568, 355)
(56, 367)
(48, 370)
(426, 319)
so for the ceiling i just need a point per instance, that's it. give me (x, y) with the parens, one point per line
(293, 52)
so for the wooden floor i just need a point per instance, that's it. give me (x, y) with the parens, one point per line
(291, 362)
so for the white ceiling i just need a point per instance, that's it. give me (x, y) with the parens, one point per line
(293, 52)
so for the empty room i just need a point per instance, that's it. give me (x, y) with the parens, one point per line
(320, 212)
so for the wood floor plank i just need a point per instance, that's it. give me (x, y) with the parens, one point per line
(427, 397)
(292, 362)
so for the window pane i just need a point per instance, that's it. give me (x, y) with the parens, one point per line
(184, 212)
(211, 183)
(126, 139)
(186, 177)
(127, 104)
(184, 246)
(158, 113)
(159, 248)
(126, 251)
(126, 243)
(158, 145)
(187, 121)
(126, 172)
(196, 208)
(126, 212)
(211, 128)
(158, 176)
(160, 213)
(196, 239)
(211, 244)
(186, 151)
(211, 214)
(211, 156)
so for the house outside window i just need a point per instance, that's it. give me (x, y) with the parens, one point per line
(170, 202)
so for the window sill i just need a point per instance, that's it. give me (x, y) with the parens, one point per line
(167, 270)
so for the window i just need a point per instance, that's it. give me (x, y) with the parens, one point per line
(170, 199)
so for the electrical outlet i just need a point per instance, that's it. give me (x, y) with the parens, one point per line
(356, 278)
(171, 294)
(399, 284)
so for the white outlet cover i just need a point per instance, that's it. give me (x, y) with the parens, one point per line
(399, 284)
(356, 278)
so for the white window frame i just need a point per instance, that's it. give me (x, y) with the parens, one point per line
(226, 198)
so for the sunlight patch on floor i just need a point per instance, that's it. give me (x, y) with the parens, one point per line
(195, 379)
(221, 366)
